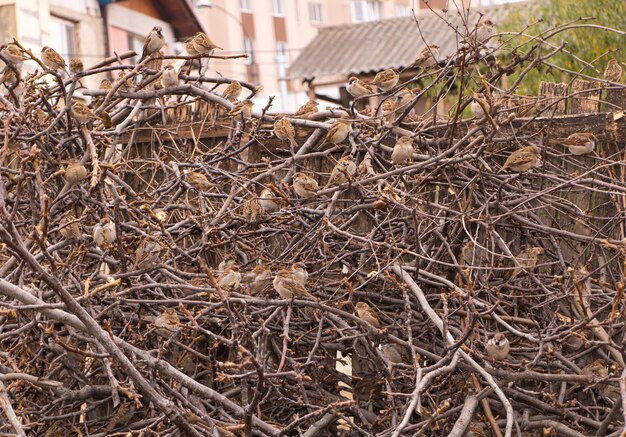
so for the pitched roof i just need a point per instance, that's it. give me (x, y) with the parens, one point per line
(373, 46)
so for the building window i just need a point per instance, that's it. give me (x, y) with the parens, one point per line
(277, 7)
(248, 47)
(245, 5)
(315, 13)
(63, 33)
(402, 11)
(365, 10)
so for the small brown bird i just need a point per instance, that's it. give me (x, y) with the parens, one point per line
(392, 353)
(13, 54)
(405, 96)
(75, 172)
(367, 314)
(523, 159)
(269, 202)
(258, 279)
(402, 151)
(229, 279)
(232, 91)
(580, 143)
(427, 58)
(613, 71)
(199, 181)
(169, 77)
(106, 85)
(300, 273)
(288, 286)
(484, 31)
(154, 42)
(189, 48)
(76, 66)
(338, 132)
(304, 186)
(167, 322)
(69, 226)
(8, 78)
(526, 259)
(283, 129)
(203, 44)
(498, 347)
(387, 79)
(358, 88)
(309, 108)
(478, 105)
(388, 110)
(53, 60)
(126, 84)
(104, 233)
(597, 369)
(343, 172)
(147, 254)
(82, 114)
(244, 108)
(252, 210)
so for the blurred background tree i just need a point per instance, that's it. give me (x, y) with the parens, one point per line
(593, 45)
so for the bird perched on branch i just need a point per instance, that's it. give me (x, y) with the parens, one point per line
(288, 286)
(483, 31)
(13, 54)
(387, 79)
(258, 279)
(53, 60)
(358, 88)
(169, 77)
(427, 58)
(232, 91)
(366, 313)
(479, 105)
(402, 151)
(203, 45)
(69, 226)
(580, 143)
(343, 171)
(405, 96)
(526, 259)
(392, 353)
(284, 131)
(76, 66)
(229, 279)
(269, 201)
(613, 71)
(388, 110)
(199, 181)
(523, 159)
(338, 132)
(498, 347)
(104, 233)
(167, 322)
(304, 185)
(82, 114)
(147, 254)
(75, 172)
(300, 273)
(309, 108)
(153, 43)
(244, 108)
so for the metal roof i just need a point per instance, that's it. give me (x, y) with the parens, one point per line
(373, 46)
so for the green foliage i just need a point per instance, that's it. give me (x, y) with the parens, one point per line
(586, 43)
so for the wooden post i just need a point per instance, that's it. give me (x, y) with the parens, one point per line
(584, 102)
(553, 98)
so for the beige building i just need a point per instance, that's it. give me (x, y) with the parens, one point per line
(273, 32)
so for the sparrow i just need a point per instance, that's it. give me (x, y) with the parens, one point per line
(154, 42)
(597, 369)
(229, 279)
(405, 96)
(189, 48)
(309, 108)
(338, 132)
(478, 105)
(147, 254)
(244, 108)
(498, 347)
(269, 202)
(13, 54)
(105, 85)
(53, 60)
(526, 259)
(252, 210)
(104, 233)
(484, 31)
(203, 45)
(388, 110)
(167, 322)
(358, 88)
(232, 91)
(387, 79)
(300, 273)
(523, 159)
(402, 151)
(427, 58)
(288, 286)
(199, 181)
(76, 66)
(227, 263)
(258, 279)
(580, 143)
(82, 114)
(392, 353)
(471, 254)
(169, 77)
(9, 78)
(304, 186)
(69, 226)
(343, 171)
(75, 172)
(613, 71)
(126, 84)
(283, 129)
(366, 313)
